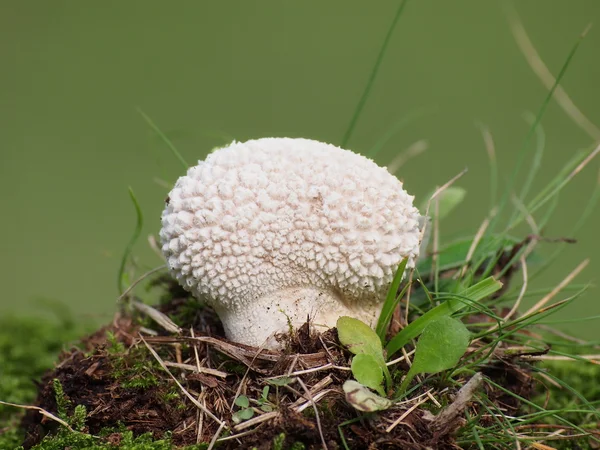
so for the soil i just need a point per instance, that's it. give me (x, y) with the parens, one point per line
(114, 374)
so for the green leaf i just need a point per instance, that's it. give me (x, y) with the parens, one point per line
(358, 336)
(281, 381)
(474, 293)
(366, 371)
(243, 414)
(363, 399)
(455, 253)
(265, 393)
(447, 201)
(391, 301)
(440, 347)
(361, 339)
(242, 401)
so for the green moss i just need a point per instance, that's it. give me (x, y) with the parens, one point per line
(62, 403)
(134, 368)
(28, 347)
(575, 376)
(122, 441)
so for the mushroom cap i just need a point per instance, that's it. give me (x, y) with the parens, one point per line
(279, 214)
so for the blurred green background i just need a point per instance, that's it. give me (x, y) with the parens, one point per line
(74, 72)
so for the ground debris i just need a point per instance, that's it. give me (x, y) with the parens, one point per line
(133, 375)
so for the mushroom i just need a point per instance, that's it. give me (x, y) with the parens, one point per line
(272, 231)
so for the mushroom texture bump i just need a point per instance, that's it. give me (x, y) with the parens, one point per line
(272, 231)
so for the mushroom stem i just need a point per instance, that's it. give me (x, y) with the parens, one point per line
(259, 322)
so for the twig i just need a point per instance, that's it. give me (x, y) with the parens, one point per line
(463, 397)
(594, 359)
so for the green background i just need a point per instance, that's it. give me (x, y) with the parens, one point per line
(74, 72)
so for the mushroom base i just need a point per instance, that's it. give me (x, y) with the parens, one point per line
(258, 322)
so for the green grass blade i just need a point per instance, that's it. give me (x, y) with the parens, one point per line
(537, 157)
(541, 200)
(472, 294)
(371, 80)
(134, 237)
(589, 209)
(401, 123)
(532, 130)
(391, 301)
(491, 153)
(164, 138)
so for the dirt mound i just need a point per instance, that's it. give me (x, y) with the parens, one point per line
(199, 387)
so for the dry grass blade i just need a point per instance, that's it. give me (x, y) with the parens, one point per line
(401, 358)
(445, 186)
(405, 415)
(478, 236)
(216, 436)
(160, 318)
(558, 288)
(155, 246)
(314, 405)
(244, 353)
(43, 412)
(535, 229)
(242, 382)
(522, 292)
(186, 393)
(327, 366)
(565, 336)
(317, 392)
(139, 280)
(433, 197)
(197, 369)
(413, 150)
(315, 399)
(257, 420)
(582, 164)
(313, 391)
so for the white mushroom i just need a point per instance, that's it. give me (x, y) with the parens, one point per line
(275, 230)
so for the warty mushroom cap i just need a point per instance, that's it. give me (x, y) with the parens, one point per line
(272, 231)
